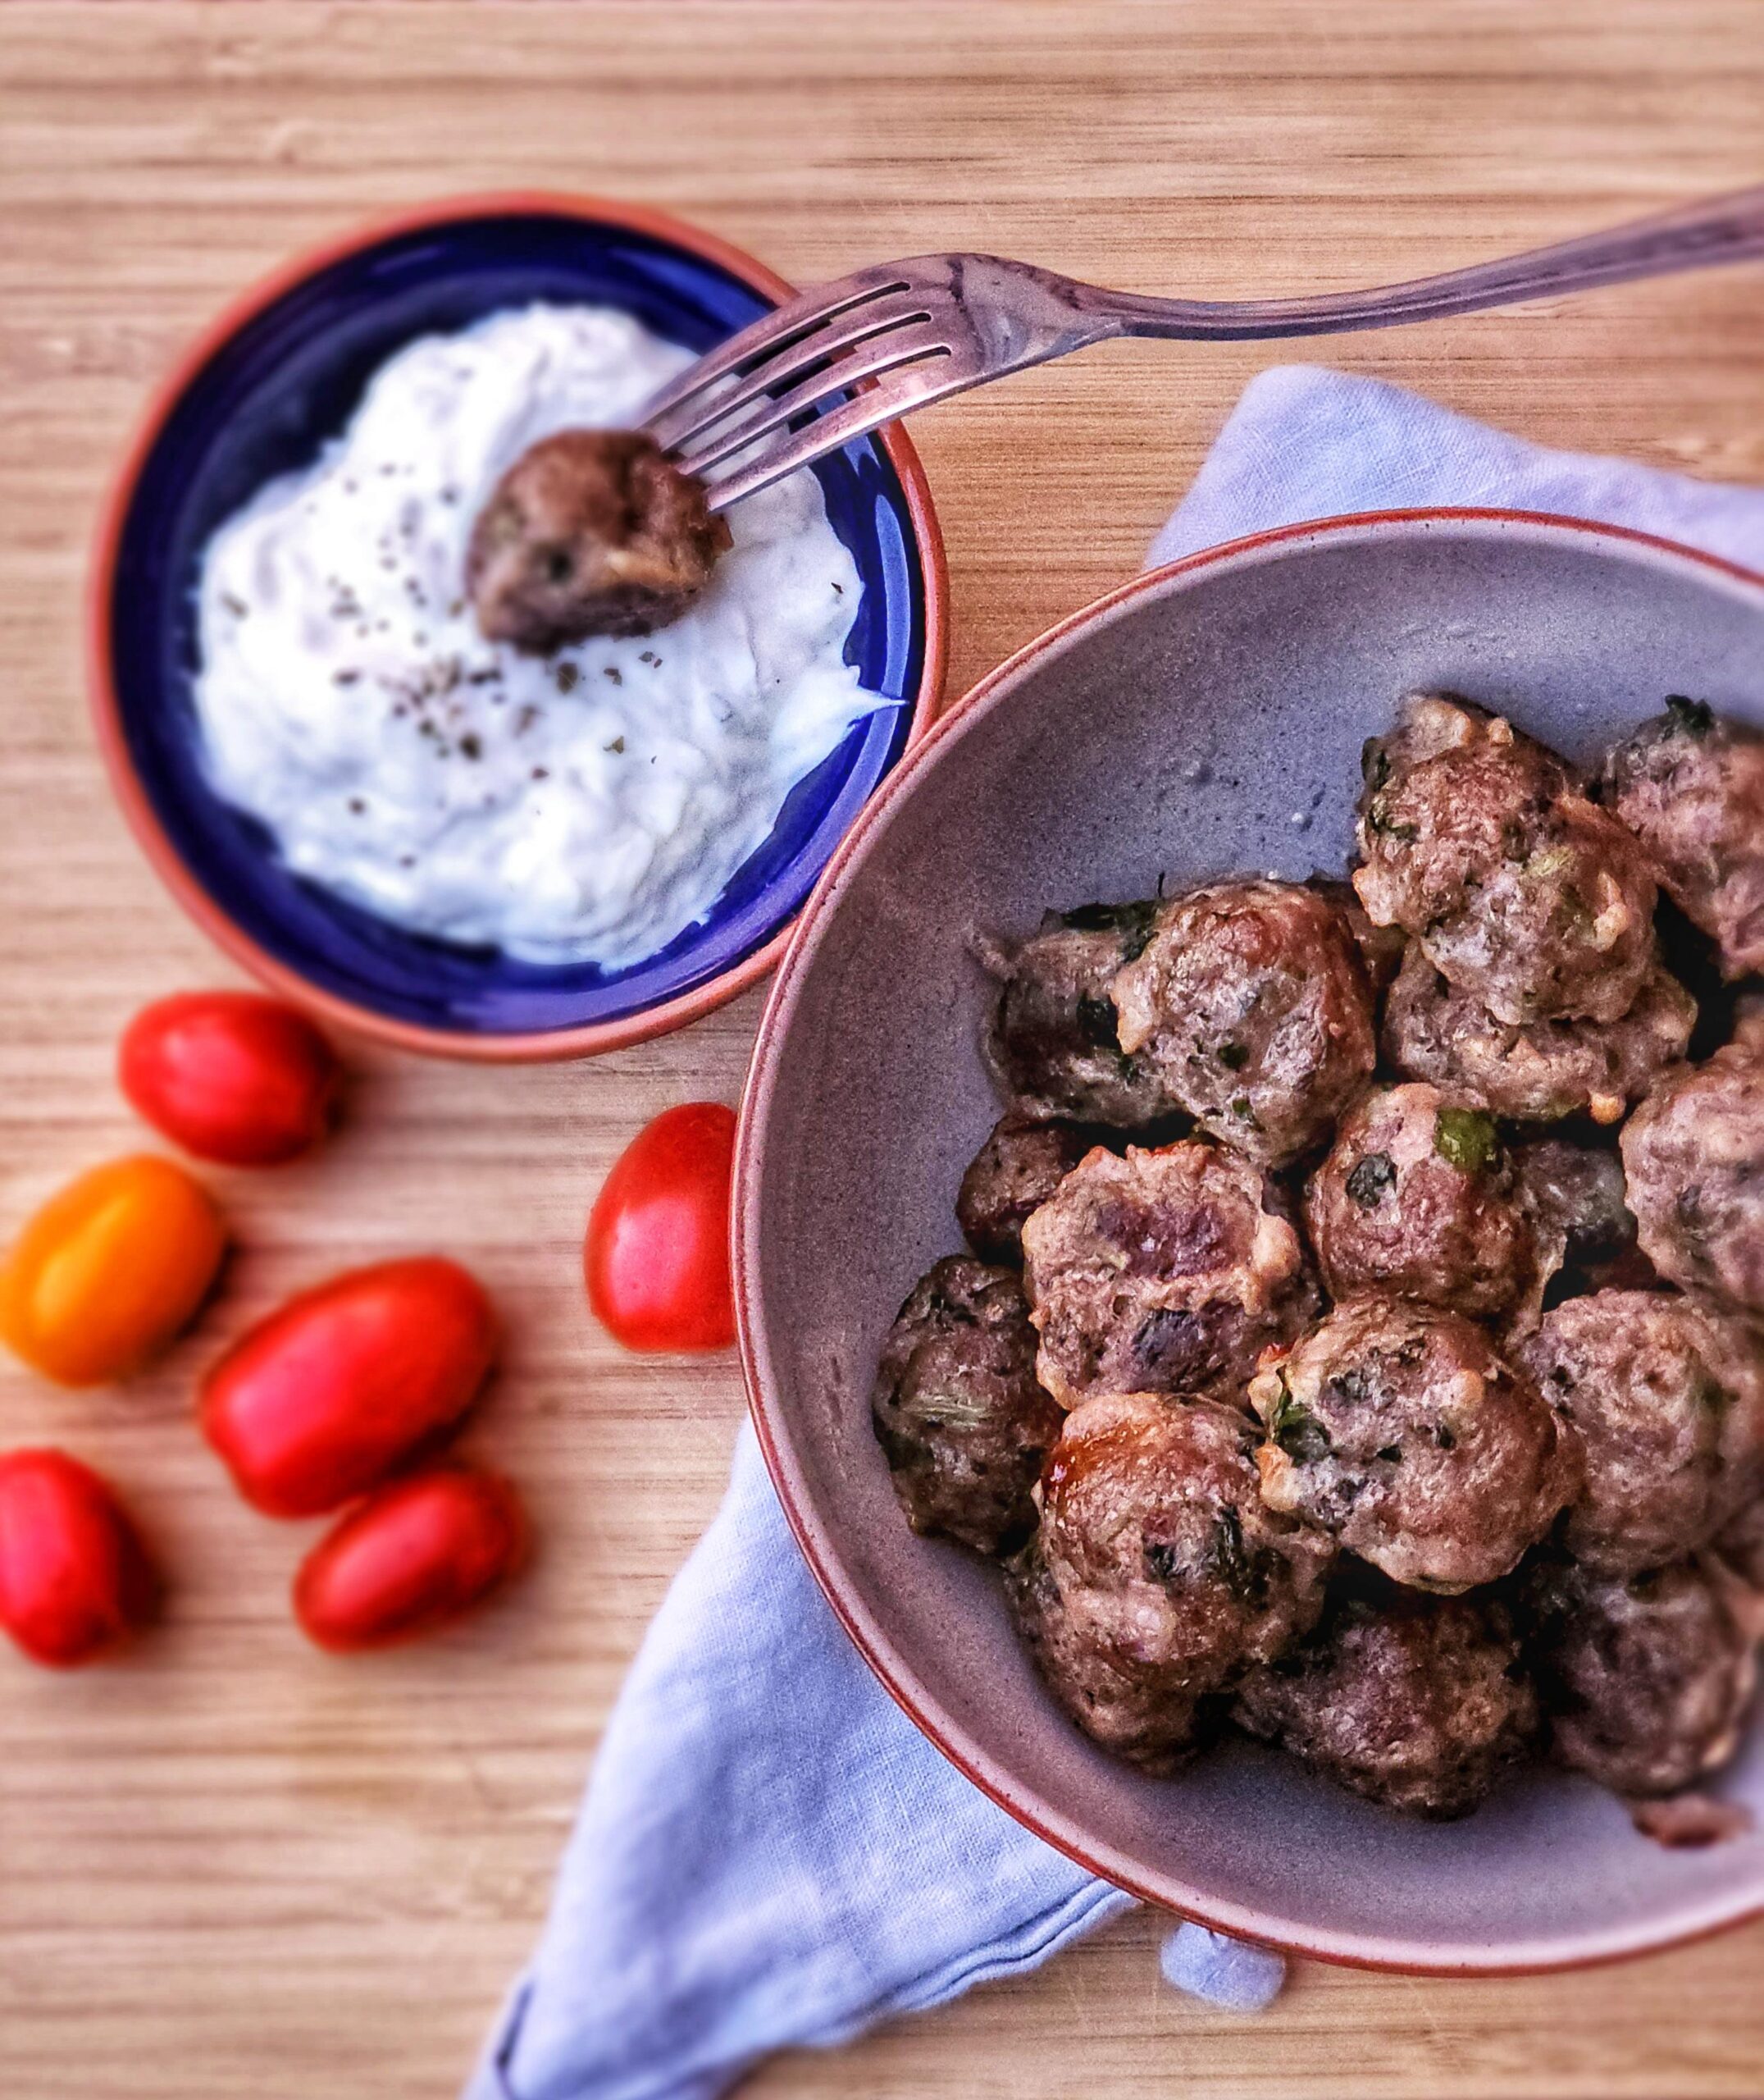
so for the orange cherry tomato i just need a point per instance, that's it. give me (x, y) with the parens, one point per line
(74, 1578)
(230, 1076)
(110, 1269)
(657, 1258)
(346, 1382)
(410, 1558)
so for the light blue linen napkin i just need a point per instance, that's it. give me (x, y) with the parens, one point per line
(770, 1854)
(1304, 443)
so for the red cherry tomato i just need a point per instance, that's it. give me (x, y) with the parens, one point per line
(325, 1398)
(74, 1578)
(411, 1557)
(230, 1075)
(656, 1259)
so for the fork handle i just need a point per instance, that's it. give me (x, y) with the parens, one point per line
(1718, 230)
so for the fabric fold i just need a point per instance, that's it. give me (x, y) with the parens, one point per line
(770, 1853)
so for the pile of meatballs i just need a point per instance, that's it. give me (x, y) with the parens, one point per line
(1362, 1343)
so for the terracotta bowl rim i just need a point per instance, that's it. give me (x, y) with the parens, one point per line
(541, 1046)
(896, 1672)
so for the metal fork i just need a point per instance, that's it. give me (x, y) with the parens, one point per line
(842, 359)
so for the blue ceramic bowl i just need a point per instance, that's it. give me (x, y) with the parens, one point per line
(263, 391)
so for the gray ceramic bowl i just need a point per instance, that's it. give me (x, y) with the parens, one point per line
(1206, 719)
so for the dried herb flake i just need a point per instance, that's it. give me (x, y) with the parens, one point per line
(1465, 1139)
(1369, 1180)
(1134, 922)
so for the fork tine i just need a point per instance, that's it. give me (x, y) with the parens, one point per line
(931, 379)
(773, 332)
(680, 430)
(901, 347)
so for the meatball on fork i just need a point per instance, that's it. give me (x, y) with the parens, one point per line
(590, 532)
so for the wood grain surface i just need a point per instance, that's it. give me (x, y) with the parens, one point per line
(229, 1867)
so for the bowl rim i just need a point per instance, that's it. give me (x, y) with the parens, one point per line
(1586, 1950)
(538, 1046)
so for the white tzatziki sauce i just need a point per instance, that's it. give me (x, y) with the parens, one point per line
(588, 805)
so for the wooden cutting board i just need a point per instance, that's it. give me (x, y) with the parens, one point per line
(229, 1867)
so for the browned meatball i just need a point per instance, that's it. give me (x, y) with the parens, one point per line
(1583, 1232)
(1400, 1430)
(1014, 1173)
(1544, 1070)
(1250, 1003)
(1053, 1041)
(1646, 1678)
(1381, 948)
(590, 532)
(1748, 1021)
(1694, 1152)
(956, 1408)
(1691, 784)
(1668, 1399)
(1421, 1702)
(1416, 1199)
(1519, 890)
(1157, 1576)
(1741, 1544)
(1165, 1271)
